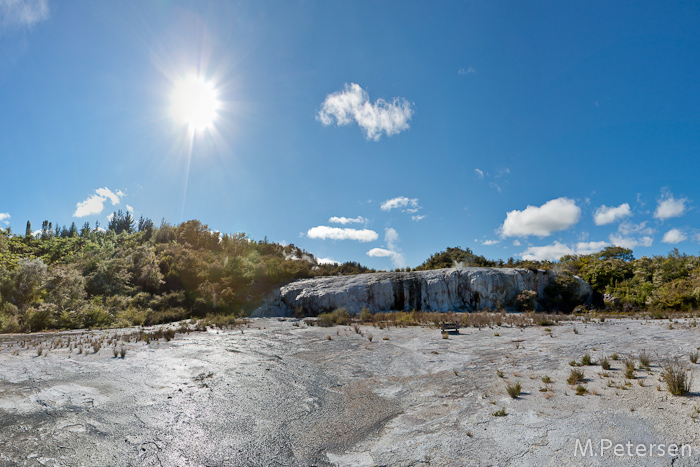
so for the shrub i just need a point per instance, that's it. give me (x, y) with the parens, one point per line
(546, 380)
(694, 356)
(513, 389)
(581, 390)
(605, 364)
(576, 376)
(365, 315)
(122, 351)
(500, 413)
(586, 360)
(677, 378)
(644, 359)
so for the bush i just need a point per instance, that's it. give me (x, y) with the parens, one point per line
(365, 315)
(605, 364)
(586, 360)
(513, 389)
(644, 359)
(576, 376)
(337, 317)
(677, 378)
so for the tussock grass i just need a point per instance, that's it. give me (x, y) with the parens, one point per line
(677, 377)
(576, 376)
(513, 389)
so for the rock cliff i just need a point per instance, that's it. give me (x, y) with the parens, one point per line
(456, 289)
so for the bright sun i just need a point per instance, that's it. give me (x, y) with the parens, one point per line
(195, 103)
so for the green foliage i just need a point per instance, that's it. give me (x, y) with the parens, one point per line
(561, 294)
(453, 257)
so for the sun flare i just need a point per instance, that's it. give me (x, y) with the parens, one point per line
(195, 103)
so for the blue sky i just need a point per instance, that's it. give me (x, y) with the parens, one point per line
(378, 132)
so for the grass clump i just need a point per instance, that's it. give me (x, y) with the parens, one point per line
(629, 369)
(500, 413)
(513, 389)
(576, 376)
(677, 378)
(586, 360)
(337, 317)
(605, 363)
(694, 356)
(581, 390)
(546, 379)
(644, 359)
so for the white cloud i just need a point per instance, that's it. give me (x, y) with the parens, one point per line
(490, 242)
(588, 248)
(557, 214)
(607, 215)
(669, 207)
(110, 217)
(674, 236)
(129, 208)
(23, 13)
(391, 237)
(4, 216)
(628, 228)
(549, 252)
(516, 242)
(352, 105)
(379, 253)
(417, 218)
(401, 202)
(323, 232)
(95, 203)
(397, 259)
(630, 242)
(327, 261)
(347, 220)
(468, 71)
(479, 173)
(555, 251)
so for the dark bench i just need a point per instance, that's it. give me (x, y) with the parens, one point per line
(447, 327)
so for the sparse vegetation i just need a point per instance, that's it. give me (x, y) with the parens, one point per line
(581, 390)
(677, 377)
(500, 413)
(605, 364)
(586, 360)
(644, 359)
(513, 389)
(576, 376)
(694, 356)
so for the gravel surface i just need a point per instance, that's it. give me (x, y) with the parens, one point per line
(279, 392)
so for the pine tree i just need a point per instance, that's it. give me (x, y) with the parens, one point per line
(28, 232)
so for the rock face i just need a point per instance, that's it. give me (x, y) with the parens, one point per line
(455, 289)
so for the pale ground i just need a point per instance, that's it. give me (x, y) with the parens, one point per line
(281, 393)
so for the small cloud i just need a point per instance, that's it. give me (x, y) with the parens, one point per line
(495, 186)
(4, 218)
(555, 251)
(588, 248)
(397, 259)
(629, 228)
(391, 237)
(668, 207)
(490, 242)
(607, 215)
(323, 232)
(129, 208)
(353, 105)
(94, 204)
(327, 261)
(110, 217)
(674, 236)
(630, 242)
(516, 242)
(479, 173)
(467, 71)
(549, 252)
(555, 215)
(347, 220)
(23, 13)
(417, 218)
(400, 202)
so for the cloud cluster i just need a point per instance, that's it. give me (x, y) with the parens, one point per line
(557, 214)
(631, 242)
(402, 203)
(95, 203)
(323, 232)
(674, 236)
(668, 207)
(631, 235)
(607, 215)
(352, 105)
(391, 237)
(347, 220)
(556, 250)
(4, 218)
(23, 13)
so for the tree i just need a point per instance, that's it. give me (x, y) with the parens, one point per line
(28, 231)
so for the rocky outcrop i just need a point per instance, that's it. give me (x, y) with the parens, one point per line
(456, 289)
